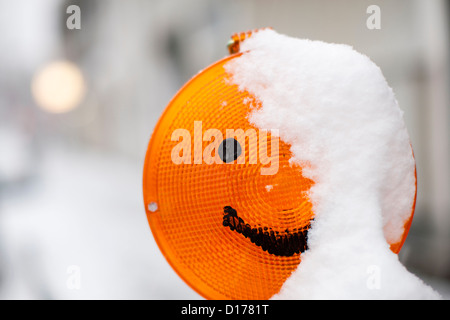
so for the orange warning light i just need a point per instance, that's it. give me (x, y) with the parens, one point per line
(227, 229)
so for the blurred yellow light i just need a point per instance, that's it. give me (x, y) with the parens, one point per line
(58, 87)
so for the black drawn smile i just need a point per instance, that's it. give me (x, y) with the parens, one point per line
(285, 243)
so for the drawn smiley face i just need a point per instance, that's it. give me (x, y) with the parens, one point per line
(228, 230)
(285, 243)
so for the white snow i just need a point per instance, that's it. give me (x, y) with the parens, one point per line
(335, 108)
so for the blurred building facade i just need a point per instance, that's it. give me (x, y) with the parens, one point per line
(135, 55)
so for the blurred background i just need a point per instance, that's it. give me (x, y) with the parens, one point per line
(78, 106)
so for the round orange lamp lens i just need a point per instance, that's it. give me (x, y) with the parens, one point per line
(185, 199)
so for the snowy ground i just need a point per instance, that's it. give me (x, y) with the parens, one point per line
(80, 232)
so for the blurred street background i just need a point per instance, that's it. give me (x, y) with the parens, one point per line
(72, 219)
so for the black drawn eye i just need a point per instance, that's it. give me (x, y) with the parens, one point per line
(229, 150)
